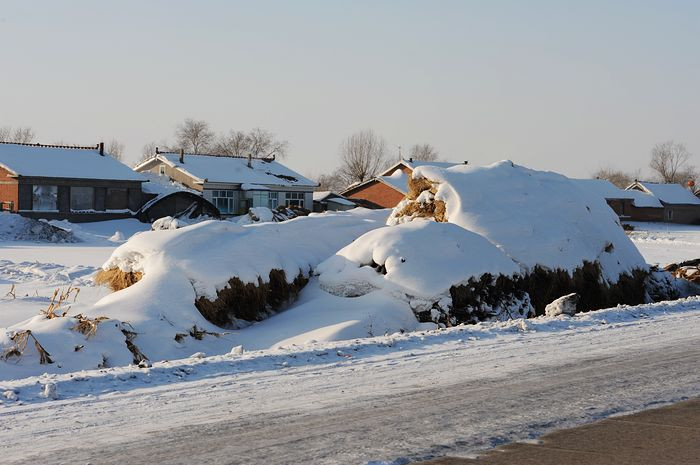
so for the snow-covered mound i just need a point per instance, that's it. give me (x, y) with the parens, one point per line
(537, 218)
(14, 227)
(156, 318)
(419, 259)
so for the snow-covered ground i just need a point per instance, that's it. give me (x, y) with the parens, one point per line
(664, 243)
(284, 370)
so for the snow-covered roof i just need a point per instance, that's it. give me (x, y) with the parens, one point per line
(667, 193)
(608, 190)
(413, 164)
(329, 196)
(235, 170)
(398, 180)
(162, 185)
(63, 162)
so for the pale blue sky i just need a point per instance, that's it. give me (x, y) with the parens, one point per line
(567, 86)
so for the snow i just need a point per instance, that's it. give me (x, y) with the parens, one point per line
(664, 243)
(235, 170)
(26, 160)
(669, 193)
(398, 180)
(182, 265)
(328, 196)
(608, 190)
(564, 305)
(14, 227)
(535, 217)
(162, 185)
(643, 200)
(421, 258)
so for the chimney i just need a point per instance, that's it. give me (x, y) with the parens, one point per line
(157, 151)
(101, 148)
(250, 160)
(410, 160)
(182, 157)
(466, 162)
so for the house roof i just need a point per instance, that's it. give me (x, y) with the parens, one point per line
(234, 170)
(413, 164)
(328, 196)
(608, 190)
(667, 193)
(53, 161)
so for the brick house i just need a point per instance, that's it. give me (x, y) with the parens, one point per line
(390, 187)
(234, 184)
(67, 182)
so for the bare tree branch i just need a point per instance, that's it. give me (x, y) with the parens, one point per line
(362, 155)
(423, 152)
(618, 177)
(22, 135)
(115, 149)
(671, 162)
(194, 136)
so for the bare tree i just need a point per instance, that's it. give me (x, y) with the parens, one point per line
(617, 177)
(235, 143)
(423, 152)
(262, 143)
(115, 149)
(362, 155)
(333, 182)
(671, 162)
(148, 151)
(194, 136)
(22, 135)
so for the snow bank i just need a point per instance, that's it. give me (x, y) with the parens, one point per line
(156, 317)
(537, 218)
(14, 227)
(266, 215)
(421, 259)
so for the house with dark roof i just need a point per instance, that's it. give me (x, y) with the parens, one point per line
(327, 200)
(680, 205)
(234, 184)
(390, 187)
(67, 182)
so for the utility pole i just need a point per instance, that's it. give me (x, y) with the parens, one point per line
(400, 153)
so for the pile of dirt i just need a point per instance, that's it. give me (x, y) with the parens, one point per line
(14, 227)
(688, 270)
(250, 302)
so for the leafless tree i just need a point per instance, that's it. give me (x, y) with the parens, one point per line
(235, 143)
(362, 155)
(615, 176)
(671, 162)
(22, 135)
(194, 136)
(115, 149)
(333, 182)
(423, 152)
(262, 143)
(258, 142)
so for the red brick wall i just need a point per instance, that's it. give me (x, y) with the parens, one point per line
(378, 193)
(8, 189)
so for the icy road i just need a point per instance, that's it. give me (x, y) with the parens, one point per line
(392, 398)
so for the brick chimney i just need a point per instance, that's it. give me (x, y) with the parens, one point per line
(182, 156)
(101, 148)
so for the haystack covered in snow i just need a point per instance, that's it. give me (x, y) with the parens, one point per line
(559, 238)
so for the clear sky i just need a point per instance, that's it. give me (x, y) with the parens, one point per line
(566, 86)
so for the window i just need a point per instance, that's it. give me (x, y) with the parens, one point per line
(670, 215)
(161, 170)
(264, 199)
(45, 198)
(294, 198)
(82, 198)
(224, 201)
(117, 199)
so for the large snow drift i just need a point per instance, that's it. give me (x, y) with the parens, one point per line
(537, 218)
(156, 317)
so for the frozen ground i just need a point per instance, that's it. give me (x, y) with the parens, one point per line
(663, 243)
(393, 397)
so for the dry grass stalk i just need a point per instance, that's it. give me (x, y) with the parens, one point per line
(88, 326)
(433, 209)
(117, 279)
(51, 311)
(11, 293)
(137, 354)
(21, 338)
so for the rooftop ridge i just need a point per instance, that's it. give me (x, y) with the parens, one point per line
(243, 157)
(52, 146)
